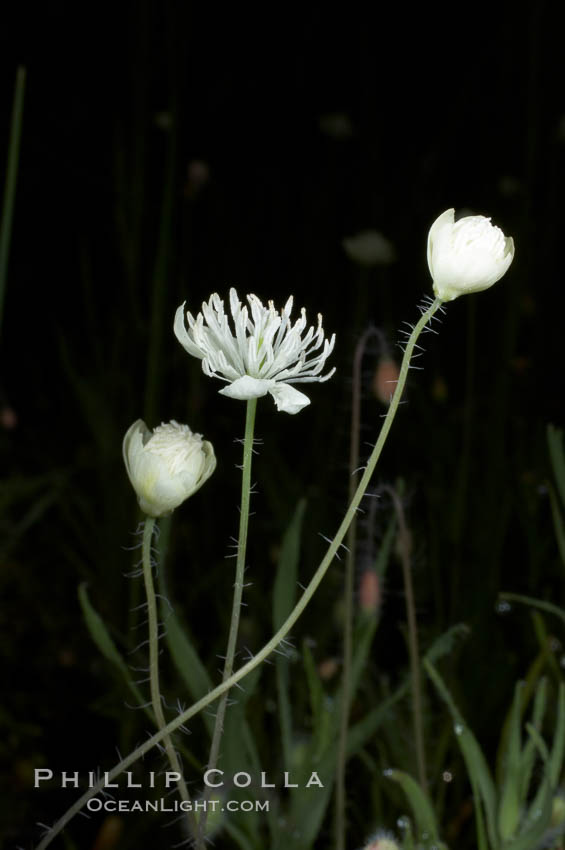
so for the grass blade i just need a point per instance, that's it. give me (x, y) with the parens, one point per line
(11, 180)
(422, 809)
(475, 761)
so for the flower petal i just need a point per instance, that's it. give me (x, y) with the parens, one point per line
(439, 232)
(288, 399)
(247, 387)
(182, 334)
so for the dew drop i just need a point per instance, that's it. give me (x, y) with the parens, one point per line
(458, 729)
(387, 771)
(402, 822)
(503, 607)
(447, 776)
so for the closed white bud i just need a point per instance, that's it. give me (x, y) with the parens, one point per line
(167, 465)
(466, 255)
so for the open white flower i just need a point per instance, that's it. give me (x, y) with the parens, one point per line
(466, 255)
(167, 465)
(264, 353)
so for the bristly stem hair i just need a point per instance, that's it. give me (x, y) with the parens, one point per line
(236, 605)
(156, 699)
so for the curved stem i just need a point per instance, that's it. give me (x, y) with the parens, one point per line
(156, 700)
(295, 614)
(236, 605)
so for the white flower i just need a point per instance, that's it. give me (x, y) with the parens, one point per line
(167, 465)
(466, 256)
(264, 353)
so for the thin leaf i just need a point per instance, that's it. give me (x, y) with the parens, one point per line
(472, 754)
(101, 637)
(545, 645)
(11, 180)
(558, 524)
(284, 597)
(284, 593)
(555, 765)
(446, 642)
(187, 662)
(536, 603)
(557, 455)
(509, 807)
(529, 752)
(422, 809)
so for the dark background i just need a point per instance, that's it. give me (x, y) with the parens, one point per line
(112, 231)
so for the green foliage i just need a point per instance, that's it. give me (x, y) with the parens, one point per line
(557, 457)
(103, 640)
(517, 810)
(422, 809)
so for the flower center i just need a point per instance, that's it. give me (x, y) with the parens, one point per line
(175, 443)
(476, 231)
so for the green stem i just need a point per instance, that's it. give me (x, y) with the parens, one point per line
(292, 618)
(11, 179)
(236, 605)
(156, 700)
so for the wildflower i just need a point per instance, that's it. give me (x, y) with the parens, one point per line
(264, 353)
(167, 465)
(466, 256)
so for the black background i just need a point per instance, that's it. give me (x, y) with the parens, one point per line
(459, 108)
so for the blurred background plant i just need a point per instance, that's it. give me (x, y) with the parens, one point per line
(171, 155)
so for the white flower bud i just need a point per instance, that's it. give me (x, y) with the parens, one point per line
(466, 256)
(167, 465)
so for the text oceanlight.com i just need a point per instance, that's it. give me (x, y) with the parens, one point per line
(163, 805)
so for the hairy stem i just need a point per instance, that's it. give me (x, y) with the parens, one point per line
(236, 604)
(290, 621)
(156, 699)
